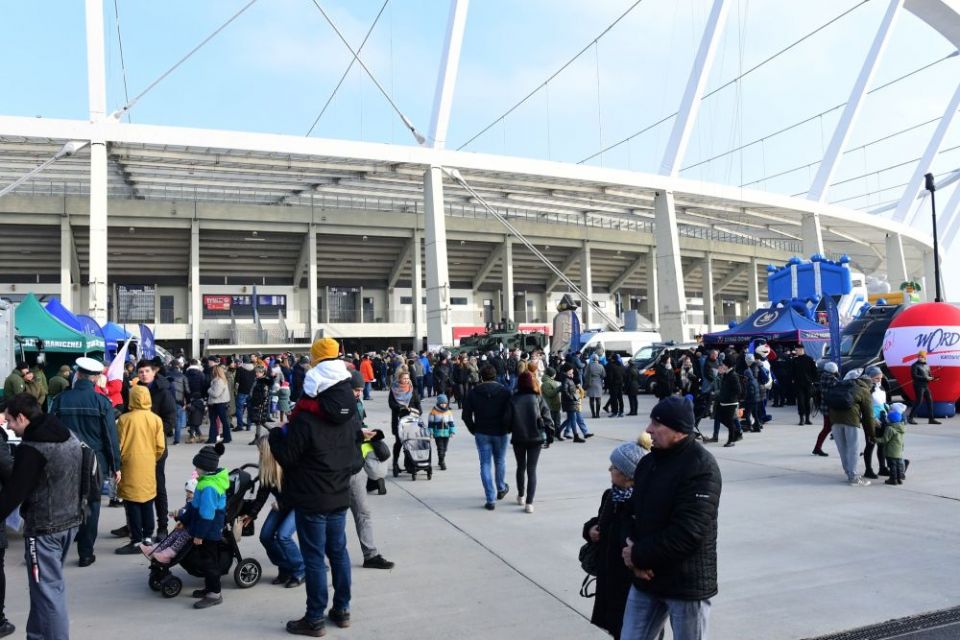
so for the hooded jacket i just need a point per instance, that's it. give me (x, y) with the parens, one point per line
(860, 413)
(141, 445)
(207, 510)
(676, 497)
(45, 479)
(485, 409)
(196, 381)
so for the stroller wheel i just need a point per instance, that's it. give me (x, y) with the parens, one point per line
(171, 586)
(247, 573)
(154, 582)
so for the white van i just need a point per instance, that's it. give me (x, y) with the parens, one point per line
(626, 343)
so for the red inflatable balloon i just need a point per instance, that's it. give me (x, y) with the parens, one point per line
(933, 327)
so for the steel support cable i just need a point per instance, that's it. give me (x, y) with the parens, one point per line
(406, 121)
(123, 66)
(853, 150)
(552, 76)
(953, 177)
(732, 80)
(454, 174)
(119, 113)
(822, 113)
(347, 71)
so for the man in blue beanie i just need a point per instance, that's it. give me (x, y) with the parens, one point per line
(672, 549)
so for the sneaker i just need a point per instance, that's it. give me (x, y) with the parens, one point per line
(490, 506)
(294, 581)
(209, 600)
(890, 481)
(377, 562)
(858, 482)
(86, 561)
(281, 579)
(528, 508)
(911, 421)
(935, 421)
(121, 532)
(883, 471)
(579, 440)
(820, 452)
(870, 474)
(506, 490)
(520, 500)
(6, 628)
(339, 618)
(730, 443)
(128, 549)
(588, 435)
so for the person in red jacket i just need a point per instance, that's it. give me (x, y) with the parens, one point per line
(366, 370)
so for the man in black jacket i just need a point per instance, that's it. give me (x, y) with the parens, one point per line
(319, 451)
(672, 549)
(483, 414)
(805, 375)
(46, 484)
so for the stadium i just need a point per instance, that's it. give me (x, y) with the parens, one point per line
(189, 229)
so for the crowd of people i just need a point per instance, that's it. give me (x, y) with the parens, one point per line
(317, 459)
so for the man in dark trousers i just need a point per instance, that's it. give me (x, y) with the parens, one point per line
(922, 377)
(46, 483)
(804, 377)
(89, 415)
(165, 406)
(672, 547)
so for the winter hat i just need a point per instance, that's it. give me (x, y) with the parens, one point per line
(442, 399)
(551, 372)
(324, 349)
(674, 412)
(208, 459)
(898, 407)
(831, 367)
(284, 384)
(894, 416)
(356, 380)
(625, 458)
(190, 485)
(873, 370)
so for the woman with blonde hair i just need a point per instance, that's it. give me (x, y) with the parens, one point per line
(218, 397)
(276, 534)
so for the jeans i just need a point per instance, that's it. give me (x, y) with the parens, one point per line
(219, 411)
(419, 384)
(366, 391)
(139, 519)
(527, 456)
(492, 448)
(181, 423)
(574, 418)
(896, 468)
(48, 619)
(242, 399)
(319, 534)
(645, 616)
(845, 436)
(427, 384)
(276, 536)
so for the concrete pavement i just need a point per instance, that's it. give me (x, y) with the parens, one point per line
(801, 553)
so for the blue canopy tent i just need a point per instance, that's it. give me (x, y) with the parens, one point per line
(776, 324)
(114, 335)
(84, 324)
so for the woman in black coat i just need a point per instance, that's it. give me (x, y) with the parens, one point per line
(528, 419)
(664, 378)
(609, 530)
(402, 400)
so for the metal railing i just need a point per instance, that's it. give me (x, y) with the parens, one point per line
(405, 205)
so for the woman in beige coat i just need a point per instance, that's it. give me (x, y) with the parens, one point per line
(141, 445)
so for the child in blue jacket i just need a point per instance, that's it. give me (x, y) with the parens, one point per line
(205, 524)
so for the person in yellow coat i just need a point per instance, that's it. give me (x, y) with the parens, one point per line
(141, 445)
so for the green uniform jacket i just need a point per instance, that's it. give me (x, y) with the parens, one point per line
(892, 440)
(14, 384)
(550, 390)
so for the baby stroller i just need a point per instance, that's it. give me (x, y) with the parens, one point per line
(417, 446)
(248, 571)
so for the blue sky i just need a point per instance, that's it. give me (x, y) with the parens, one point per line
(274, 67)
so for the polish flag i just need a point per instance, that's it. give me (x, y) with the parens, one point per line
(115, 375)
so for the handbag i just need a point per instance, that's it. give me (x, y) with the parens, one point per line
(589, 560)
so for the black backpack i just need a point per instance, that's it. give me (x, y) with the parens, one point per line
(90, 480)
(841, 396)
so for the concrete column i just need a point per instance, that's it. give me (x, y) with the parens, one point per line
(313, 291)
(653, 299)
(586, 284)
(439, 329)
(97, 101)
(673, 303)
(812, 234)
(896, 261)
(66, 263)
(709, 314)
(753, 287)
(196, 312)
(326, 305)
(508, 307)
(360, 309)
(416, 290)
